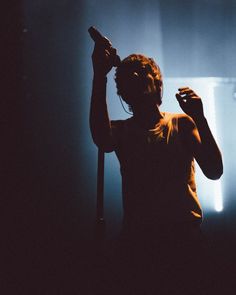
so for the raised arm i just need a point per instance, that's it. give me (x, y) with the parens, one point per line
(199, 139)
(99, 119)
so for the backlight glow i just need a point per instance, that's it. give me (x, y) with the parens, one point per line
(218, 200)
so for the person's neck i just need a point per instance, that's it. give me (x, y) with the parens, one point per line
(147, 119)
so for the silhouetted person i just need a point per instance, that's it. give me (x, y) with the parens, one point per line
(160, 243)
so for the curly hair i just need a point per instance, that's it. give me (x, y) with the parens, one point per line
(131, 77)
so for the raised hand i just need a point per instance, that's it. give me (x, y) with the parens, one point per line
(190, 102)
(103, 59)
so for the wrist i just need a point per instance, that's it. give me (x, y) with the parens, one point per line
(200, 120)
(99, 86)
(98, 77)
(198, 116)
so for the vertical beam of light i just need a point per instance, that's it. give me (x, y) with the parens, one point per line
(218, 200)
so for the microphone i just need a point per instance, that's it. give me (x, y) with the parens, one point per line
(101, 40)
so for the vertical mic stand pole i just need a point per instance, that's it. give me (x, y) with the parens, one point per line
(100, 222)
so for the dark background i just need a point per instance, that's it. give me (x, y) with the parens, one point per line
(48, 160)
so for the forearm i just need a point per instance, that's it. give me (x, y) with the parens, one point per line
(99, 118)
(210, 157)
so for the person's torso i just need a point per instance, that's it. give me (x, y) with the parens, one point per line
(157, 173)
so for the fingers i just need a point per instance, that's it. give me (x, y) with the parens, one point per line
(102, 52)
(180, 99)
(190, 102)
(103, 59)
(185, 94)
(106, 42)
(183, 88)
(185, 91)
(113, 51)
(178, 96)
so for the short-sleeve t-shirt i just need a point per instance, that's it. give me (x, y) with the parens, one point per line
(158, 174)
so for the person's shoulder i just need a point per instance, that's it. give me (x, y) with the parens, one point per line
(179, 116)
(120, 123)
(182, 120)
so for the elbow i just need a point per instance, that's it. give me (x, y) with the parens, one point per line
(219, 174)
(214, 174)
(103, 145)
(102, 138)
(212, 167)
(105, 148)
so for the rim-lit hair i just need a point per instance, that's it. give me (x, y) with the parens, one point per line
(131, 77)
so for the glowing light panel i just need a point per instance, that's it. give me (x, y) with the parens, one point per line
(218, 200)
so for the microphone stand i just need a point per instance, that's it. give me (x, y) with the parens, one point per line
(104, 42)
(100, 222)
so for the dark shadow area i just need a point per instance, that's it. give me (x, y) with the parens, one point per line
(48, 161)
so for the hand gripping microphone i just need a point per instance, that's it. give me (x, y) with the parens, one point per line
(101, 40)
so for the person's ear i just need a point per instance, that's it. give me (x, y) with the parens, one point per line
(159, 90)
(158, 85)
